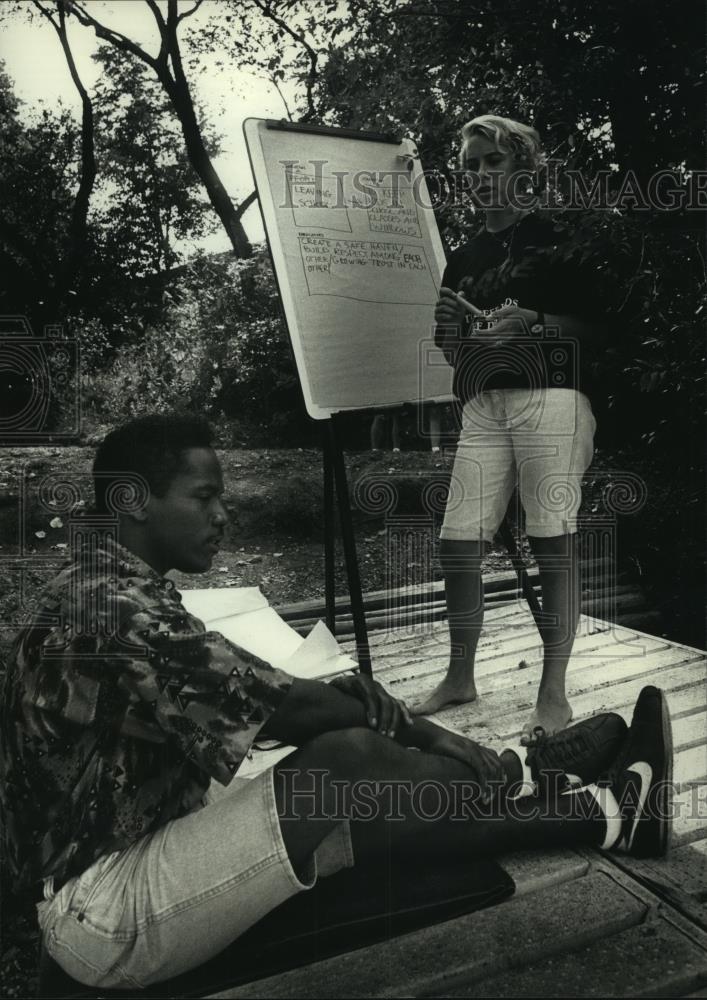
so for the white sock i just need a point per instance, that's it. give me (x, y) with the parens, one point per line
(527, 785)
(610, 807)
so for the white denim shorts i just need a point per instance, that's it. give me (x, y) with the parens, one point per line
(539, 439)
(180, 895)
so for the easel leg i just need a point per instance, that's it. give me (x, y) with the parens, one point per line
(519, 566)
(349, 542)
(329, 565)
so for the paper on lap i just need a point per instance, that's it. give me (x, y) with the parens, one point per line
(243, 615)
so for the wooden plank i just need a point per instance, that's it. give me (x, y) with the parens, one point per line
(685, 702)
(591, 571)
(494, 620)
(504, 658)
(497, 656)
(497, 718)
(519, 690)
(494, 654)
(690, 816)
(619, 698)
(420, 646)
(689, 730)
(690, 767)
(624, 601)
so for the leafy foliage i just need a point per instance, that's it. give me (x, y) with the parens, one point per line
(220, 346)
(37, 155)
(151, 194)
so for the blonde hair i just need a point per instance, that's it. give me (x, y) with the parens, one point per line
(510, 136)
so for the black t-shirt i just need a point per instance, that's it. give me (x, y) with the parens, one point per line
(542, 264)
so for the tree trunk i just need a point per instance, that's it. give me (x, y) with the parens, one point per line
(180, 96)
(56, 299)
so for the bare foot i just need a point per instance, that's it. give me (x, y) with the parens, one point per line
(550, 715)
(448, 692)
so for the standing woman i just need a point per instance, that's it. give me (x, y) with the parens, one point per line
(521, 377)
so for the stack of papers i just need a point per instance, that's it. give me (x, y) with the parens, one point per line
(243, 615)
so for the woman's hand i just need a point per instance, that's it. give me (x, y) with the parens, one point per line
(507, 323)
(452, 309)
(383, 712)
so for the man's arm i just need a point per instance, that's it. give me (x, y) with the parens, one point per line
(311, 708)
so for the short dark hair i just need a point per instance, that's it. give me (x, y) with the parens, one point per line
(150, 447)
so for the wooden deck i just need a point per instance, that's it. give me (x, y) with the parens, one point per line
(582, 922)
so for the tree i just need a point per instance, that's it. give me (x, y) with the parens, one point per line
(78, 227)
(38, 174)
(169, 70)
(624, 79)
(152, 194)
(55, 261)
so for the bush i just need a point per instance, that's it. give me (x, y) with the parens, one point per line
(220, 348)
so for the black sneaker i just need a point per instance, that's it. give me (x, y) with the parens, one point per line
(641, 778)
(579, 754)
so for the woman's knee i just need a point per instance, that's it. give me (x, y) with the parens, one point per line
(460, 555)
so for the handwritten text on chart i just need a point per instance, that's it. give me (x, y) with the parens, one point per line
(327, 200)
(367, 270)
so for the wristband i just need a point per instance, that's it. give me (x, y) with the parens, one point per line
(538, 326)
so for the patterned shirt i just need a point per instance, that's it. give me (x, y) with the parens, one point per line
(118, 709)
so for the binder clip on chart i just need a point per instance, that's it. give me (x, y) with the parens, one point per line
(407, 160)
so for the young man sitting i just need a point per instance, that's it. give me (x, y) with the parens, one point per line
(120, 709)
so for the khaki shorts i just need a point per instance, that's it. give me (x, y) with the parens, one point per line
(539, 439)
(180, 895)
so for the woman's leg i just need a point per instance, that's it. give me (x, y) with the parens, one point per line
(481, 484)
(558, 564)
(553, 449)
(461, 564)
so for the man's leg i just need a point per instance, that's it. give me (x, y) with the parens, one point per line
(628, 807)
(436, 810)
(180, 895)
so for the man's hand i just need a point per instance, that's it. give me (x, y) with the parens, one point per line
(452, 308)
(383, 712)
(485, 764)
(507, 323)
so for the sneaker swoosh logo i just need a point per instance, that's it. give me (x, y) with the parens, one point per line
(645, 773)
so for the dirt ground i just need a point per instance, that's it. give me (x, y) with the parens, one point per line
(275, 501)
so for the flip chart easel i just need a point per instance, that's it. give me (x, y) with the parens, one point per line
(358, 261)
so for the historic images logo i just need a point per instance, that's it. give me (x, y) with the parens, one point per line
(40, 384)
